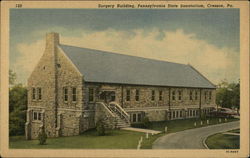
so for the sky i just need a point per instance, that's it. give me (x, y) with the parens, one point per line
(207, 39)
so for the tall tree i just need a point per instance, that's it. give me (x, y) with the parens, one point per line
(17, 106)
(228, 94)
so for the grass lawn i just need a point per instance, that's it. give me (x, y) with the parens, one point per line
(223, 141)
(117, 139)
(179, 125)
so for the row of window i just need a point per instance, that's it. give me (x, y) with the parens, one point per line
(37, 93)
(136, 117)
(191, 113)
(137, 95)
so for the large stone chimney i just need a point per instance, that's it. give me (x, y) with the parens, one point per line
(52, 40)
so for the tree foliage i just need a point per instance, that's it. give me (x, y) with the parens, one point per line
(228, 95)
(17, 106)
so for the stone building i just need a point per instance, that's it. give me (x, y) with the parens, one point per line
(71, 88)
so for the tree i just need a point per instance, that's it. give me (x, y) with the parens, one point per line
(17, 106)
(228, 94)
(12, 77)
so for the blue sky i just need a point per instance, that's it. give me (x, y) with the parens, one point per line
(210, 30)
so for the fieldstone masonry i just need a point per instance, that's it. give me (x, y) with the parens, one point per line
(55, 78)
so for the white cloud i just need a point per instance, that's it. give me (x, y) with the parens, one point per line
(215, 63)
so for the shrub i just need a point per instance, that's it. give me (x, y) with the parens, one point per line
(42, 137)
(100, 127)
(146, 123)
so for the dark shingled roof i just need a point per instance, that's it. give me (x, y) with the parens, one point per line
(107, 67)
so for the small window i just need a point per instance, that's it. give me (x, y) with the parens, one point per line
(196, 95)
(35, 116)
(39, 116)
(137, 95)
(128, 95)
(65, 92)
(205, 95)
(39, 93)
(153, 95)
(180, 95)
(190, 95)
(74, 94)
(139, 117)
(173, 95)
(210, 95)
(91, 94)
(160, 95)
(33, 93)
(134, 117)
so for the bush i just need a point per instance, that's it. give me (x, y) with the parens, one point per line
(42, 137)
(146, 123)
(100, 128)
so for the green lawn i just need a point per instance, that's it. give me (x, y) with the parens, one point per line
(223, 141)
(180, 125)
(117, 139)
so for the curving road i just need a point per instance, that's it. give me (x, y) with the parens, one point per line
(193, 138)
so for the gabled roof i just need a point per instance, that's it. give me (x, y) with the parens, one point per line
(107, 67)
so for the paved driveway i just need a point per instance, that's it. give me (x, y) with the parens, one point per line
(193, 138)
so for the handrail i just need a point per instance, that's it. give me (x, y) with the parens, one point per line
(106, 108)
(120, 109)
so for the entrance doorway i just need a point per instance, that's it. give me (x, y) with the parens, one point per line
(107, 96)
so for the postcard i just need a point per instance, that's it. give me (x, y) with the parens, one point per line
(124, 79)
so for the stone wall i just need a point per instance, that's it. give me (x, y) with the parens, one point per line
(53, 73)
(157, 110)
(44, 77)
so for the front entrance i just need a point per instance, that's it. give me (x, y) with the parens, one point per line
(107, 96)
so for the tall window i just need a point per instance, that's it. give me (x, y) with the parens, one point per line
(173, 114)
(160, 95)
(35, 116)
(74, 94)
(134, 117)
(39, 116)
(33, 93)
(173, 95)
(128, 95)
(196, 95)
(190, 95)
(91, 94)
(139, 118)
(153, 95)
(137, 94)
(180, 113)
(180, 94)
(210, 95)
(65, 94)
(39, 93)
(205, 95)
